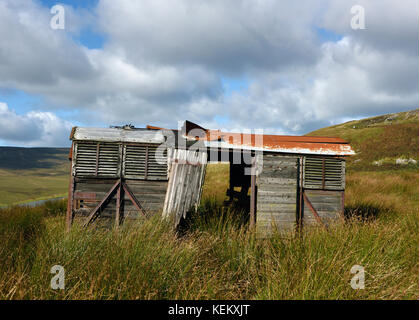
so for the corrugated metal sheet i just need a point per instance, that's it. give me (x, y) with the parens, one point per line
(274, 143)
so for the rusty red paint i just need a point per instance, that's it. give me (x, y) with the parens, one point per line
(268, 142)
(299, 144)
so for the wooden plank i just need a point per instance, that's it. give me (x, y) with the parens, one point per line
(277, 194)
(119, 195)
(253, 194)
(276, 181)
(277, 200)
(275, 215)
(70, 200)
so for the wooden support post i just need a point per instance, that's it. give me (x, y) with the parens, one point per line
(70, 200)
(133, 199)
(301, 192)
(119, 199)
(96, 211)
(253, 193)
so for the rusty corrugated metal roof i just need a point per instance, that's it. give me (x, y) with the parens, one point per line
(223, 140)
(272, 143)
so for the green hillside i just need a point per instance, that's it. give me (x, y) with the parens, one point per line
(32, 174)
(380, 141)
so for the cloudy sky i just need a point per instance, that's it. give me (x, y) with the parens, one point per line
(288, 67)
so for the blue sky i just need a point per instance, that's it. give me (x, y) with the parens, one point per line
(286, 68)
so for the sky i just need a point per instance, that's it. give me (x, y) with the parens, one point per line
(287, 67)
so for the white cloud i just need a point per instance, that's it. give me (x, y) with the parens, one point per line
(36, 128)
(164, 61)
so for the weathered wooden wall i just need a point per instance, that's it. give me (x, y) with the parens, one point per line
(328, 205)
(89, 192)
(186, 177)
(277, 194)
(98, 166)
(280, 181)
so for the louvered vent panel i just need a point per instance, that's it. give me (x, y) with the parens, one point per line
(157, 163)
(108, 161)
(135, 158)
(134, 161)
(327, 173)
(85, 164)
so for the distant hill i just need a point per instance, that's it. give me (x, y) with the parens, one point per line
(380, 141)
(32, 158)
(32, 174)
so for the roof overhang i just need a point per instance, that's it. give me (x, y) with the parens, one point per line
(216, 139)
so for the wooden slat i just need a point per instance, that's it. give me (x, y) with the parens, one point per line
(277, 195)
(324, 173)
(185, 184)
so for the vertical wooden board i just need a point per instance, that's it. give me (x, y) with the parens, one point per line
(185, 183)
(277, 194)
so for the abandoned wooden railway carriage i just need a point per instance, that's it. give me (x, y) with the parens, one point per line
(123, 173)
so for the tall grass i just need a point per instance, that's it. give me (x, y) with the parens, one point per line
(213, 259)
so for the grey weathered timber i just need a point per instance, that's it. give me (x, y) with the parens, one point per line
(96, 211)
(277, 194)
(118, 135)
(253, 194)
(328, 205)
(89, 192)
(186, 172)
(133, 199)
(101, 158)
(325, 173)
